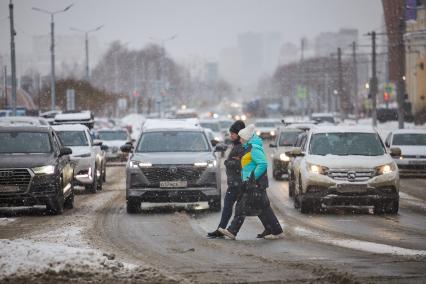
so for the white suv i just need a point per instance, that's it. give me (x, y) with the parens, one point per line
(343, 167)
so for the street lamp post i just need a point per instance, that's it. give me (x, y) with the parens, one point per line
(162, 65)
(52, 50)
(86, 38)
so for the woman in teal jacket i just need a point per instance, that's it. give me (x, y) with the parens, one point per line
(254, 163)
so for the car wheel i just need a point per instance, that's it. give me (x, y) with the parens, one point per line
(306, 206)
(69, 202)
(104, 174)
(133, 206)
(291, 187)
(100, 184)
(94, 186)
(277, 175)
(297, 196)
(55, 206)
(215, 206)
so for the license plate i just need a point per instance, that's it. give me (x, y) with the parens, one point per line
(174, 184)
(347, 188)
(9, 188)
(417, 162)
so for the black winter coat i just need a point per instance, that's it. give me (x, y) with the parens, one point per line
(233, 166)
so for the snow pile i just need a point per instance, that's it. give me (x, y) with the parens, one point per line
(28, 256)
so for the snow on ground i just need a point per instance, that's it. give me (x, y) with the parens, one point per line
(57, 250)
(5, 221)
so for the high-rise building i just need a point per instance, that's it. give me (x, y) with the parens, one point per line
(251, 52)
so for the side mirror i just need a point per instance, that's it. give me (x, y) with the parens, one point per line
(133, 140)
(387, 144)
(273, 145)
(220, 148)
(65, 151)
(126, 148)
(97, 142)
(296, 152)
(129, 142)
(214, 142)
(104, 147)
(395, 152)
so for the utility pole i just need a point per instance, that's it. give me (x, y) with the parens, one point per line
(5, 86)
(373, 80)
(12, 57)
(401, 74)
(52, 51)
(355, 82)
(340, 82)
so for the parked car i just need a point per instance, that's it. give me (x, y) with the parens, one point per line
(88, 155)
(172, 162)
(73, 117)
(114, 139)
(35, 169)
(412, 143)
(285, 141)
(345, 166)
(324, 118)
(266, 128)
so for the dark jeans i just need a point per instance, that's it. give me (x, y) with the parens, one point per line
(267, 217)
(230, 198)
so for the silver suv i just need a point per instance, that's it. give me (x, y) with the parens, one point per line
(173, 162)
(345, 167)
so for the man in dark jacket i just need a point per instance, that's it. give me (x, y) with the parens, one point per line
(233, 173)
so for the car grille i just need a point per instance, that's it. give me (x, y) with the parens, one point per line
(173, 173)
(412, 167)
(351, 175)
(18, 177)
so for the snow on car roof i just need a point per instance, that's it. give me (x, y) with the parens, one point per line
(69, 127)
(171, 124)
(84, 115)
(410, 131)
(326, 114)
(268, 120)
(26, 120)
(290, 129)
(343, 129)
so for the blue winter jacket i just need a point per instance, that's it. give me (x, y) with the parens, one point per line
(254, 160)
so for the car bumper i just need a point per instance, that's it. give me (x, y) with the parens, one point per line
(411, 167)
(176, 195)
(330, 192)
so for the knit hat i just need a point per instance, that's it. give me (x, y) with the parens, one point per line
(237, 126)
(247, 132)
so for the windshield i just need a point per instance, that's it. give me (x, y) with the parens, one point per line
(266, 124)
(412, 139)
(343, 144)
(225, 124)
(24, 142)
(73, 138)
(112, 135)
(288, 138)
(173, 141)
(214, 126)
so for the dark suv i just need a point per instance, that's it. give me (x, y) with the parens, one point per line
(173, 162)
(34, 169)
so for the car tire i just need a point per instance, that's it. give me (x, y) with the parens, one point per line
(69, 201)
(391, 207)
(277, 175)
(291, 187)
(133, 206)
(100, 184)
(306, 206)
(215, 206)
(94, 186)
(104, 174)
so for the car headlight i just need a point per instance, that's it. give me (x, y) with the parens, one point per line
(316, 169)
(137, 164)
(272, 133)
(258, 133)
(44, 170)
(209, 164)
(385, 169)
(284, 157)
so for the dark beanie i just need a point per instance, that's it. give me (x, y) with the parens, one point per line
(237, 126)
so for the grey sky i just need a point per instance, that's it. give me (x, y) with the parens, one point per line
(203, 26)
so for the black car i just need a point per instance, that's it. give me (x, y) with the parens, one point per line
(173, 162)
(34, 169)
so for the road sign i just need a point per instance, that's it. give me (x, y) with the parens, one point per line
(301, 92)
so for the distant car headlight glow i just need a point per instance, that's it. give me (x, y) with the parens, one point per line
(257, 132)
(44, 170)
(272, 133)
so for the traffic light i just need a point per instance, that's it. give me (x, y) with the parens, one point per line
(386, 96)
